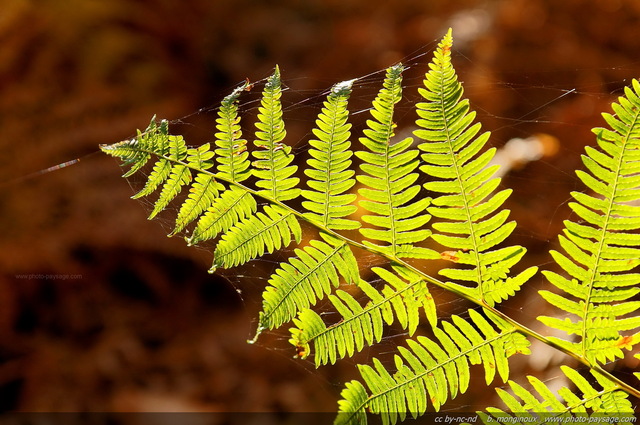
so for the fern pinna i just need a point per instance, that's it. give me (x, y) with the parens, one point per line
(603, 248)
(431, 197)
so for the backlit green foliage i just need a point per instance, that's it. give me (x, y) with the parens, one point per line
(428, 198)
(593, 406)
(603, 247)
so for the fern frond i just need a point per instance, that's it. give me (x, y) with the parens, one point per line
(329, 174)
(466, 217)
(604, 248)
(272, 158)
(398, 300)
(431, 371)
(389, 191)
(609, 402)
(264, 232)
(472, 220)
(306, 278)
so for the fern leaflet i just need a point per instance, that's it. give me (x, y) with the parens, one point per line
(451, 156)
(263, 232)
(233, 158)
(603, 249)
(318, 267)
(328, 172)
(604, 404)
(272, 158)
(234, 204)
(433, 370)
(360, 325)
(389, 180)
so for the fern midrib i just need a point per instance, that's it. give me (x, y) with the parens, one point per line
(430, 279)
(603, 233)
(463, 192)
(387, 148)
(234, 136)
(327, 195)
(272, 154)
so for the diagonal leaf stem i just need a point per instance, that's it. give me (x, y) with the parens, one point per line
(427, 278)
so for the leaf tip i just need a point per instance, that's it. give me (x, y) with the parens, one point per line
(343, 88)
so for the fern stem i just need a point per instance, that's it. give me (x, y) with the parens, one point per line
(430, 279)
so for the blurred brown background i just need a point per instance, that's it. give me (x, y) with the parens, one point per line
(99, 311)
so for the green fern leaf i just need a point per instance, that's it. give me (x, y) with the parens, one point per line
(431, 371)
(389, 190)
(272, 159)
(603, 249)
(466, 217)
(329, 173)
(398, 299)
(256, 235)
(170, 170)
(174, 150)
(137, 151)
(592, 406)
(301, 281)
(354, 396)
(233, 206)
(204, 190)
(233, 163)
(471, 224)
(232, 155)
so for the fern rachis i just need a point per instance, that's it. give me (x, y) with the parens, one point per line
(456, 217)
